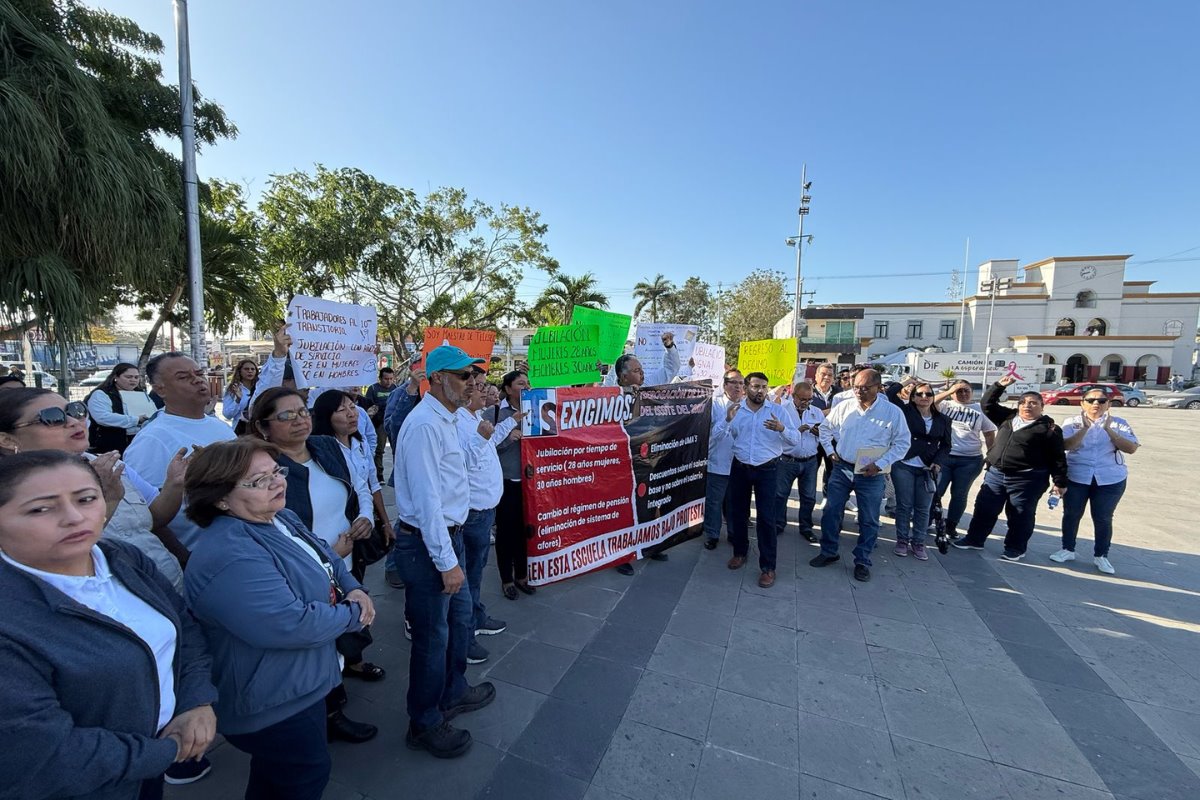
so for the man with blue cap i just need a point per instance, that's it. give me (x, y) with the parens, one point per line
(432, 502)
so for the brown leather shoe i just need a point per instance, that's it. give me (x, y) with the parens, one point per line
(767, 579)
(737, 562)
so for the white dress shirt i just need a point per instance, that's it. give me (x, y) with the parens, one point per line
(842, 397)
(753, 442)
(108, 597)
(720, 450)
(1097, 458)
(882, 424)
(968, 423)
(432, 490)
(808, 440)
(484, 476)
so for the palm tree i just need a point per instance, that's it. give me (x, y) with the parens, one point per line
(558, 300)
(651, 294)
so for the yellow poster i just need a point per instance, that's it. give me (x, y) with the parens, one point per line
(775, 357)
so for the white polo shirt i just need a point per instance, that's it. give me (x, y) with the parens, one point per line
(1097, 458)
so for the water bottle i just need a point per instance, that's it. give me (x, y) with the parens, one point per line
(1052, 503)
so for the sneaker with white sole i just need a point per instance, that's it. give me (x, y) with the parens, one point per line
(919, 552)
(1063, 556)
(1012, 555)
(901, 548)
(961, 544)
(1104, 565)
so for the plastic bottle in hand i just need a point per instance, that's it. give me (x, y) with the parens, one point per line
(1052, 502)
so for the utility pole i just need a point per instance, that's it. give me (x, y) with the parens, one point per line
(991, 287)
(720, 295)
(797, 241)
(191, 202)
(962, 296)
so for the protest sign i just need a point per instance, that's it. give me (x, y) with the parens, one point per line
(476, 344)
(708, 362)
(614, 330)
(648, 346)
(774, 357)
(561, 355)
(609, 474)
(333, 344)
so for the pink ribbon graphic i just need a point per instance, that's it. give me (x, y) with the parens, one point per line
(1012, 372)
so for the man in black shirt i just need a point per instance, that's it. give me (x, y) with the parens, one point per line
(375, 403)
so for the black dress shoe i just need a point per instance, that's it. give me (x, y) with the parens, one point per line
(524, 588)
(810, 537)
(339, 727)
(473, 699)
(861, 573)
(510, 591)
(822, 560)
(660, 557)
(442, 741)
(710, 544)
(625, 569)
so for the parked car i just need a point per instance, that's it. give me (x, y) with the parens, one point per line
(1072, 394)
(1188, 398)
(96, 379)
(1134, 396)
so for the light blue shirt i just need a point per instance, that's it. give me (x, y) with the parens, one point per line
(107, 596)
(807, 448)
(720, 450)
(1097, 457)
(882, 424)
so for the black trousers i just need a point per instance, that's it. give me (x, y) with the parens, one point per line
(511, 557)
(288, 760)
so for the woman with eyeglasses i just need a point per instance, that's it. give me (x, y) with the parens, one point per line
(913, 477)
(136, 512)
(112, 428)
(273, 600)
(1096, 444)
(971, 434)
(235, 404)
(337, 508)
(106, 679)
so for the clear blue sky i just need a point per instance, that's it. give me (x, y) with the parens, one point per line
(668, 135)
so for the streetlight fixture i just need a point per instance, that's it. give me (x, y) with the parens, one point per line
(991, 287)
(797, 241)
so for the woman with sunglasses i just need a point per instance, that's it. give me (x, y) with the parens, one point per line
(913, 477)
(273, 599)
(235, 404)
(112, 428)
(136, 512)
(106, 676)
(333, 504)
(1096, 444)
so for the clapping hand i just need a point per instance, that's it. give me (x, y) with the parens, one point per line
(773, 424)
(1007, 380)
(283, 341)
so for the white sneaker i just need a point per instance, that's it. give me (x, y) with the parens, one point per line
(1063, 556)
(1104, 566)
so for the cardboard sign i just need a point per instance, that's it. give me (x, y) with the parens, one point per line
(562, 355)
(708, 362)
(614, 330)
(774, 357)
(333, 344)
(649, 348)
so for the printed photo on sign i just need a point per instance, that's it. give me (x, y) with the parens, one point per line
(541, 412)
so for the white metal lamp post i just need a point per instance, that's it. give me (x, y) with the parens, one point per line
(797, 241)
(991, 287)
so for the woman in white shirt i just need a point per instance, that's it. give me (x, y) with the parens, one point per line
(1096, 443)
(235, 403)
(113, 425)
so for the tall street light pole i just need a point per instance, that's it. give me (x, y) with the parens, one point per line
(797, 241)
(991, 287)
(191, 201)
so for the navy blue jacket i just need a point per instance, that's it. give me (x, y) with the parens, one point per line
(265, 607)
(327, 452)
(79, 691)
(933, 446)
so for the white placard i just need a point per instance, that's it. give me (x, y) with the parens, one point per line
(333, 344)
(138, 404)
(709, 363)
(649, 349)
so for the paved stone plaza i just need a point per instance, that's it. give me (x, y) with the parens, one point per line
(961, 677)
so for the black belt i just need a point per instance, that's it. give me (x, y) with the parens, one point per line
(795, 460)
(770, 463)
(404, 527)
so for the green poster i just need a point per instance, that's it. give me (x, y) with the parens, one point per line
(614, 330)
(564, 355)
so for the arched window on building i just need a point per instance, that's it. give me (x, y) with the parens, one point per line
(528, 340)
(1085, 299)
(1096, 327)
(1065, 327)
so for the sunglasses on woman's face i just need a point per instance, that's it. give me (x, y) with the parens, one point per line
(1100, 400)
(922, 394)
(288, 416)
(56, 417)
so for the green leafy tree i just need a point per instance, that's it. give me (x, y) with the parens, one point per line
(559, 298)
(692, 303)
(751, 310)
(651, 294)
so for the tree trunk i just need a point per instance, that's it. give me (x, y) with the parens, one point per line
(152, 336)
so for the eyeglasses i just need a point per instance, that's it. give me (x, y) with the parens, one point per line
(264, 481)
(867, 388)
(1100, 400)
(735, 382)
(922, 394)
(288, 416)
(462, 376)
(56, 417)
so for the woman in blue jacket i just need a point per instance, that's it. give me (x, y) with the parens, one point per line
(272, 599)
(914, 477)
(104, 676)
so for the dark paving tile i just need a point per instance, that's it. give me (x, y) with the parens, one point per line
(759, 676)
(534, 665)
(746, 725)
(724, 775)
(646, 763)
(518, 779)
(1077, 709)
(999, 599)
(1136, 771)
(648, 611)
(1056, 666)
(598, 682)
(564, 629)
(1010, 692)
(703, 626)
(672, 704)
(1022, 785)
(846, 754)
(624, 643)
(1035, 745)
(591, 600)
(931, 773)
(685, 658)
(964, 651)
(566, 738)
(1023, 630)
(952, 618)
(470, 774)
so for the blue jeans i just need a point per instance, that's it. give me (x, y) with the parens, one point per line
(1017, 495)
(716, 505)
(1104, 501)
(805, 472)
(288, 759)
(913, 496)
(477, 541)
(867, 492)
(763, 481)
(958, 474)
(441, 631)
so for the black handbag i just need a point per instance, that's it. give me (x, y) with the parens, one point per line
(373, 548)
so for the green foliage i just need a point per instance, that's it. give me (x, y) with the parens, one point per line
(559, 298)
(692, 304)
(751, 310)
(651, 294)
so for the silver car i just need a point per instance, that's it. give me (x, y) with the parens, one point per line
(1134, 397)
(1188, 398)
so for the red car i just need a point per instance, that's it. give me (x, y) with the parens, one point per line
(1072, 394)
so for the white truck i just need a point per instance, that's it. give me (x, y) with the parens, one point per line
(1027, 368)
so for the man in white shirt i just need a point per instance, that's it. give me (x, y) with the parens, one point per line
(823, 391)
(972, 434)
(182, 425)
(432, 503)
(871, 435)
(798, 464)
(720, 459)
(760, 430)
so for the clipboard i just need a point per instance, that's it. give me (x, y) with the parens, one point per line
(138, 404)
(868, 455)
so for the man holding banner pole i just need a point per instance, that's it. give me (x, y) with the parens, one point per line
(760, 430)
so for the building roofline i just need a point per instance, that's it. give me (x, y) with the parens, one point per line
(1036, 264)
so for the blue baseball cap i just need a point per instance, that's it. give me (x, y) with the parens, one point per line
(448, 357)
